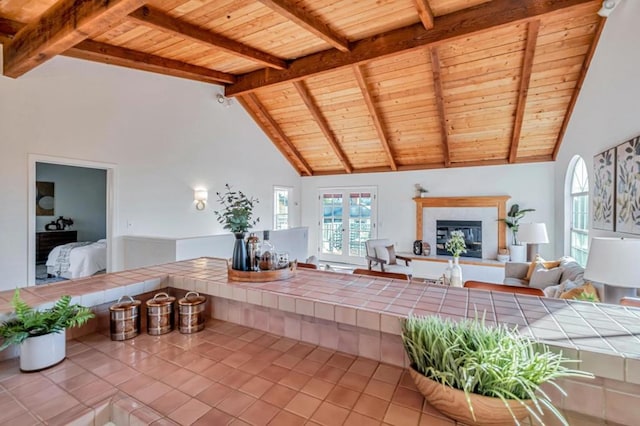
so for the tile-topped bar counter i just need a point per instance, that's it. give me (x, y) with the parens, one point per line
(359, 315)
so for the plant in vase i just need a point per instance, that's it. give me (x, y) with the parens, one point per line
(482, 375)
(513, 223)
(237, 216)
(456, 246)
(41, 333)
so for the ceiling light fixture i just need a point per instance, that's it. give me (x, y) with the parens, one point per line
(607, 7)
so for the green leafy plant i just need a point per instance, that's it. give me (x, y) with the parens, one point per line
(237, 210)
(513, 220)
(28, 322)
(456, 245)
(491, 361)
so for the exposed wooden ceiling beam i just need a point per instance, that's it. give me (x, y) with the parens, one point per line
(62, 26)
(8, 29)
(576, 92)
(442, 115)
(439, 165)
(262, 117)
(155, 18)
(496, 13)
(368, 99)
(310, 23)
(322, 123)
(425, 13)
(105, 53)
(525, 80)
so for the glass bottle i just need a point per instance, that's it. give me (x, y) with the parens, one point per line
(268, 256)
(252, 252)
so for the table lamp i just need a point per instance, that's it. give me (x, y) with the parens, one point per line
(614, 262)
(532, 234)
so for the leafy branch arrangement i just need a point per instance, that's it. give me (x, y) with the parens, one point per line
(29, 322)
(237, 210)
(456, 245)
(513, 220)
(490, 361)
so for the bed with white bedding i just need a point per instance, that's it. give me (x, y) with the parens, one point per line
(75, 260)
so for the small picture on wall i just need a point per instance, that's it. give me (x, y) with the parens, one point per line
(628, 186)
(45, 192)
(603, 191)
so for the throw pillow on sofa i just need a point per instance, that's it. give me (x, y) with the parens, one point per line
(543, 277)
(587, 291)
(539, 261)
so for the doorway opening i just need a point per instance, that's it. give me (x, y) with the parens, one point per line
(70, 219)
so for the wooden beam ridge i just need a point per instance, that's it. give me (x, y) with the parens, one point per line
(439, 98)
(576, 92)
(155, 18)
(305, 20)
(8, 29)
(62, 26)
(116, 55)
(260, 115)
(525, 80)
(375, 116)
(322, 123)
(425, 13)
(486, 16)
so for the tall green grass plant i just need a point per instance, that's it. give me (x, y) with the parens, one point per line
(491, 361)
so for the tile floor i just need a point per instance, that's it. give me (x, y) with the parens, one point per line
(226, 374)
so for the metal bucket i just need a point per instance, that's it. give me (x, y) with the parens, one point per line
(160, 318)
(125, 319)
(191, 312)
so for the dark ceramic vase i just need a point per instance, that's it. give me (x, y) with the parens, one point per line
(239, 262)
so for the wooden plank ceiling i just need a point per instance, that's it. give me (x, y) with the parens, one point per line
(343, 86)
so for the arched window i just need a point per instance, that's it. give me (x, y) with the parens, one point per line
(579, 193)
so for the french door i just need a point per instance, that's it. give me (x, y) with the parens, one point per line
(347, 220)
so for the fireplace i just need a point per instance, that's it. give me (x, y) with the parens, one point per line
(472, 230)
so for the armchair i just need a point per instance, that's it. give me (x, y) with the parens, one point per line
(381, 252)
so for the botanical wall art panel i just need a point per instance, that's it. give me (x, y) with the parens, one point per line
(45, 192)
(628, 186)
(603, 201)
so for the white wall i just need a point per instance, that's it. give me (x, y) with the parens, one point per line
(530, 185)
(608, 109)
(80, 194)
(165, 135)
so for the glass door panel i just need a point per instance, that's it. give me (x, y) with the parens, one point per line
(347, 222)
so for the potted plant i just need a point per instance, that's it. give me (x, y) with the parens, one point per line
(481, 375)
(456, 246)
(513, 223)
(237, 216)
(41, 333)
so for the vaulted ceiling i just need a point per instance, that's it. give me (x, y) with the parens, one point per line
(344, 86)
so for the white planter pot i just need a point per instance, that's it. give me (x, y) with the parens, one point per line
(37, 353)
(518, 253)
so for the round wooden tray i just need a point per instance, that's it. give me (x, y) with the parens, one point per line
(262, 276)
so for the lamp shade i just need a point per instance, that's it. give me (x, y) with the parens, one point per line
(534, 233)
(614, 261)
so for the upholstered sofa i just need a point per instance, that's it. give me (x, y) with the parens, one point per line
(560, 278)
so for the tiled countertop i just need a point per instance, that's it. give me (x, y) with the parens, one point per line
(605, 337)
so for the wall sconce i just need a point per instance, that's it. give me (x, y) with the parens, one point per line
(607, 7)
(200, 196)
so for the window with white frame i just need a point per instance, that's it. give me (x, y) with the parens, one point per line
(579, 229)
(281, 197)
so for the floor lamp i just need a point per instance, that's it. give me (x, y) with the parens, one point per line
(533, 234)
(614, 262)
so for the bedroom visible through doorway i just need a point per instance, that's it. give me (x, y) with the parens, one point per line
(70, 222)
